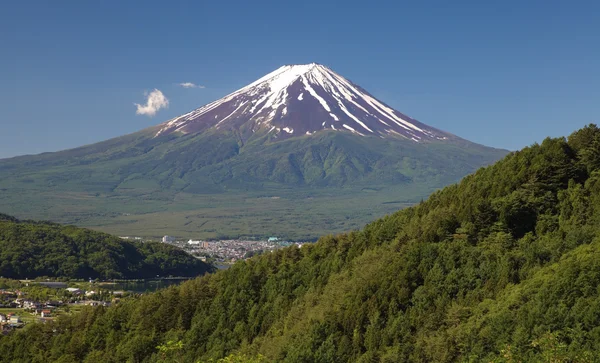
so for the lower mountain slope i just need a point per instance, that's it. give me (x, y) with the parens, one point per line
(31, 249)
(502, 267)
(133, 184)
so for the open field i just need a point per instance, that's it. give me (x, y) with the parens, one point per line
(11, 310)
(298, 214)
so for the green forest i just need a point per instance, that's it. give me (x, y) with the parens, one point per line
(501, 267)
(30, 249)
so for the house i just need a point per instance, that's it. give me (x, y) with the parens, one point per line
(3, 318)
(28, 304)
(9, 294)
(53, 303)
(46, 313)
(168, 239)
(273, 239)
(15, 319)
(74, 290)
(95, 303)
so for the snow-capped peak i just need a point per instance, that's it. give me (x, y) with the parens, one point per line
(301, 100)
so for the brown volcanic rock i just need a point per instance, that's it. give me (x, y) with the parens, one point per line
(296, 100)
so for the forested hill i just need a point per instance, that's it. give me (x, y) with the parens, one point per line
(503, 267)
(30, 249)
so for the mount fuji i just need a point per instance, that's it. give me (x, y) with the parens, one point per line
(302, 100)
(298, 153)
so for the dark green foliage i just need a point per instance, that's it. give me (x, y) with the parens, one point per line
(502, 267)
(34, 249)
(6, 217)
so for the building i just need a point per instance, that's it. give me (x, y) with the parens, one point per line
(168, 239)
(273, 239)
(15, 319)
(28, 304)
(94, 303)
(193, 243)
(74, 290)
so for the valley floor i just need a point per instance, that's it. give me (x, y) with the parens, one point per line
(292, 214)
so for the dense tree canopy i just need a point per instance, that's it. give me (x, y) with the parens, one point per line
(31, 249)
(502, 267)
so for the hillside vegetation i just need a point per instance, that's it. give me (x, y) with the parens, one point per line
(31, 249)
(502, 267)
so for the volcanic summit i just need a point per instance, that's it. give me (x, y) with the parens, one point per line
(299, 100)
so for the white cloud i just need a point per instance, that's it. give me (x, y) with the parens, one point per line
(154, 102)
(190, 85)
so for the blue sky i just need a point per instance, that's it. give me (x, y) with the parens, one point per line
(504, 74)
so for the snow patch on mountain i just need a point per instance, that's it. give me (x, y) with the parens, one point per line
(307, 98)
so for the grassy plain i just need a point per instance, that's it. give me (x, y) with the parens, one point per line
(299, 214)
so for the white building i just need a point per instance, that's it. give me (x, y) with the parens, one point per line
(193, 243)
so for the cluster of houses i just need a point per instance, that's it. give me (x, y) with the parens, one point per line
(9, 322)
(44, 309)
(38, 308)
(9, 294)
(229, 250)
(16, 299)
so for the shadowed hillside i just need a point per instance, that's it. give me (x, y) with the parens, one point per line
(30, 249)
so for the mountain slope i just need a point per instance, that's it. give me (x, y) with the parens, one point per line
(300, 133)
(501, 267)
(34, 249)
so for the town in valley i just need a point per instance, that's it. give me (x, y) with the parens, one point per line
(231, 250)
